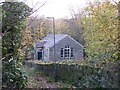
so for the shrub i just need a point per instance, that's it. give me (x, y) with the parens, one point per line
(13, 76)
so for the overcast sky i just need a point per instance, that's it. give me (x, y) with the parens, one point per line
(56, 8)
(59, 8)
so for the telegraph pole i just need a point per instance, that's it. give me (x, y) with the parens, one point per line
(53, 24)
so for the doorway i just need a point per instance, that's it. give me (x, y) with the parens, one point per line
(39, 55)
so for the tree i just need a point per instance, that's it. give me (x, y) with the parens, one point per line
(99, 22)
(36, 29)
(71, 27)
(13, 22)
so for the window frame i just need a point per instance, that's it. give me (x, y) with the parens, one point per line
(66, 52)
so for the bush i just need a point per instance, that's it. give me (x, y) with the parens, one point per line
(13, 76)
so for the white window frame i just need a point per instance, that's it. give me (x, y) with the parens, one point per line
(67, 50)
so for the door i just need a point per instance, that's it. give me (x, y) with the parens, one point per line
(39, 55)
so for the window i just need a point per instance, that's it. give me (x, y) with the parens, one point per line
(62, 52)
(66, 52)
(71, 52)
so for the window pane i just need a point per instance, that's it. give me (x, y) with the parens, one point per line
(61, 52)
(67, 52)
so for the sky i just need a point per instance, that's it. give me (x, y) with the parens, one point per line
(56, 8)
(59, 8)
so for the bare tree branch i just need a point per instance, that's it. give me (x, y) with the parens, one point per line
(115, 2)
(39, 7)
(24, 1)
(31, 20)
(36, 4)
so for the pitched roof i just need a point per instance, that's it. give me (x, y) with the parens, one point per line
(48, 41)
(39, 44)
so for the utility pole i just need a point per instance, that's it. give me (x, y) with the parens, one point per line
(53, 24)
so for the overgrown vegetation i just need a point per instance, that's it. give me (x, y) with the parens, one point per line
(13, 22)
(37, 79)
(79, 76)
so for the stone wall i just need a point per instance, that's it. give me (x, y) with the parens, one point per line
(67, 41)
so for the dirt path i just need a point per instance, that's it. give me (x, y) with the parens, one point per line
(40, 82)
(36, 80)
(44, 83)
